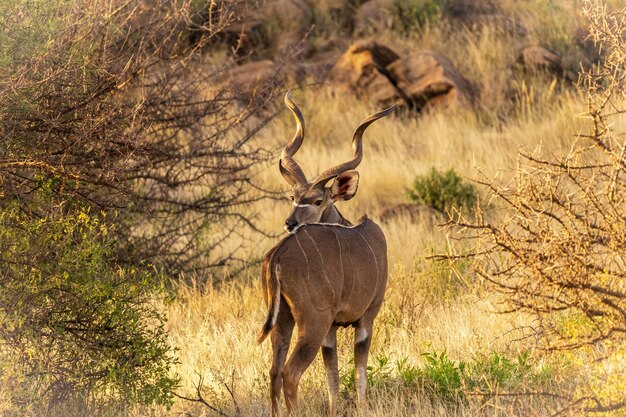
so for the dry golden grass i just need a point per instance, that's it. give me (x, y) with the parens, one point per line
(215, 331)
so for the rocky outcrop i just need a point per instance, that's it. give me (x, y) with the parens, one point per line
(429, 81)
(247, 78)
(422, 81)
(361, 70)
(537, 58)
(293, 45)
(286, 15)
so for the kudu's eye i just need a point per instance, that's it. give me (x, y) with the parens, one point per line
(318, 203)
(291, 198)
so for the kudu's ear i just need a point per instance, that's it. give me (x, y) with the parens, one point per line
(344, 185)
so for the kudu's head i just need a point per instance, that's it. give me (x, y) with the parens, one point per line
(313, 201)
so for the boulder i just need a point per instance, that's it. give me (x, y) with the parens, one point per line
(248, 77)
(361, 69)
(286, 15)
(423, 81)
(339, 12)
(291, 45)
(477, 14)
(316, 70)
(429, 81)
(361, 58)
(537, 58)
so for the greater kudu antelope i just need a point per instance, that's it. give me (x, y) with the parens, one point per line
(327, 273)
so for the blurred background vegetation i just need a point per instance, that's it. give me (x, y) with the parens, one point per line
(139, 189)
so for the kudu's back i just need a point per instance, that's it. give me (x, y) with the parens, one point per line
(341, 270)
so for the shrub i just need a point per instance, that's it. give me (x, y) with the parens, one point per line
(74, 325)
(451, 380)
(558, 250)
(444, 375)
(410, 16)
(445, 192)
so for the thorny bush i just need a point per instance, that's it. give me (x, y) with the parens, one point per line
(559, 252)
(120, 148)
(113, 105)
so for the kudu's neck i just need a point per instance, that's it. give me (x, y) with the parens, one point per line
(332, 215)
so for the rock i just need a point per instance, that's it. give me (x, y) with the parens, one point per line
(468, 9)
(422, 81)
(340, 12)
(361, 57)
(429, 81)
(361, 69)
(316, 70)
(286, 15)
(476, 14)
(537, 58)
(413, 212)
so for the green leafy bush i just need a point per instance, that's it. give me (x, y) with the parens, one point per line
(444, 192)
(73, 324)
(409, 16)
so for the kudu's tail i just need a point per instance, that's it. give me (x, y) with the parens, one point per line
(272, 286)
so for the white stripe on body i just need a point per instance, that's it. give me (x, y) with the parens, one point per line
(375, 261)
(322, 261)
(325, 224)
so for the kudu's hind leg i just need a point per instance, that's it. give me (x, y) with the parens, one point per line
(280, 336)
(309, 341)
(329, 352)
(362, 341)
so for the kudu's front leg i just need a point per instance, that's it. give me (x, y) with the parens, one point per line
(362, 341)
(329, 352)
